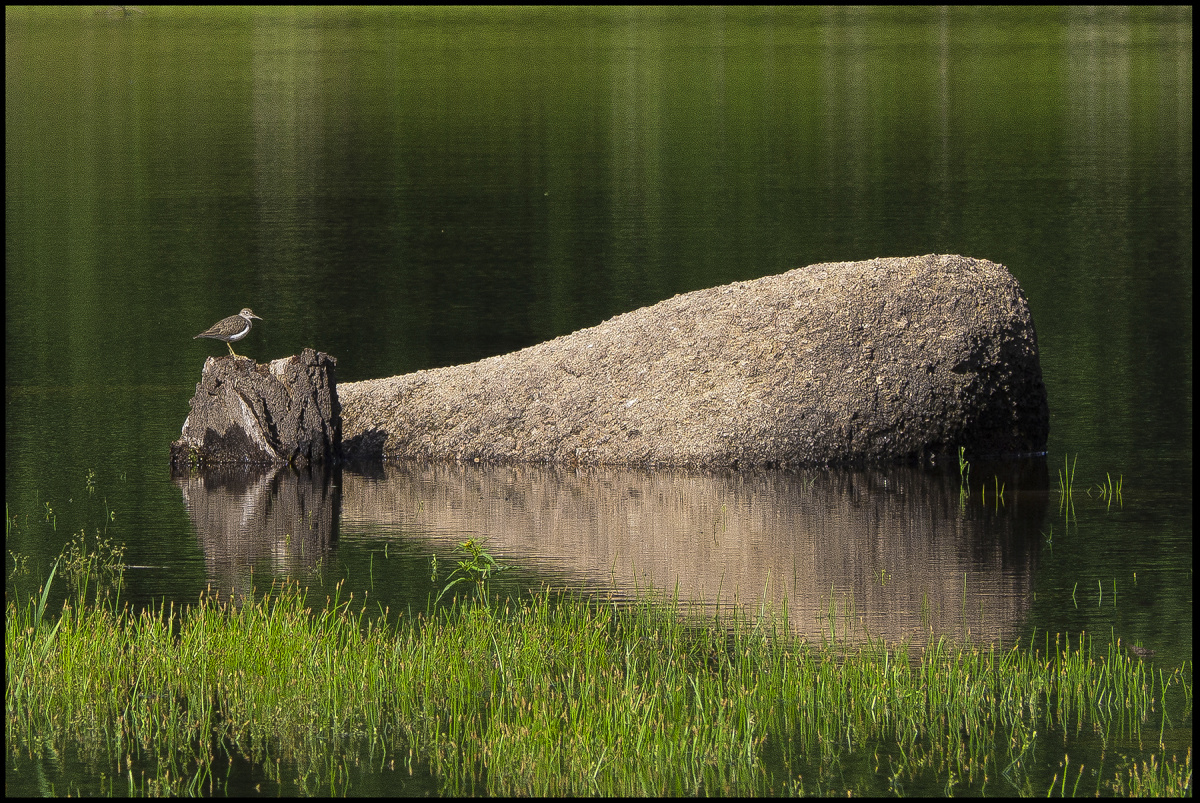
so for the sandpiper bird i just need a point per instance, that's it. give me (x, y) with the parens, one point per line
(235, 327)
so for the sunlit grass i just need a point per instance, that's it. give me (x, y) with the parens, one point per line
(554, 695)
(1066, 490)
(1110, 491)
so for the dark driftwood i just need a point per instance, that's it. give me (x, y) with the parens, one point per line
(246, 413)
(845, 362)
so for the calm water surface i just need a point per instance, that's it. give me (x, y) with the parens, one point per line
(406, 189)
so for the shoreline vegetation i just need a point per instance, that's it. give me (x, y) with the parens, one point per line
(552, 694)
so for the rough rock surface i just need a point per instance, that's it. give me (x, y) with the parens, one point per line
(844, 362)
(246, 413)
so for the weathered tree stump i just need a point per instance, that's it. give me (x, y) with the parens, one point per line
(284, 412)
(846, 362)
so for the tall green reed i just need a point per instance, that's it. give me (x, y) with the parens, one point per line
(560, 695)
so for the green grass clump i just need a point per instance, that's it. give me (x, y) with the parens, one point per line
(558, 695)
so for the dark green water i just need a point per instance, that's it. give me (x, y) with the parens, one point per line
(408, 188)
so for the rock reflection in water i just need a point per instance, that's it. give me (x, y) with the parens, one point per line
(895, 549)
(282, 517)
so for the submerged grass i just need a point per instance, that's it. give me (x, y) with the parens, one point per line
(557, 695)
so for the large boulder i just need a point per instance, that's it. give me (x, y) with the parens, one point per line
(843, 362)
(285, 412)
